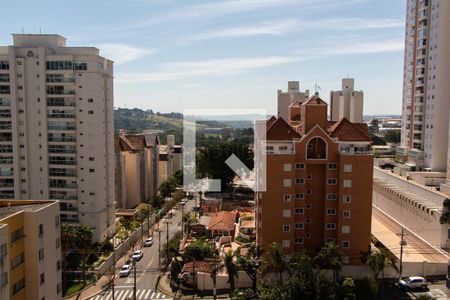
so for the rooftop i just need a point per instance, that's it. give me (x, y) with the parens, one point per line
(11, 207)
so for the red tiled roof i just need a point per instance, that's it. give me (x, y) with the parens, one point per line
(200, 266)
(315, 100)
(281, 131)
(270, 121)
(222, 220)
(295, 103)
(345, 130)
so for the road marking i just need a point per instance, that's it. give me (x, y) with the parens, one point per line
(148, 292)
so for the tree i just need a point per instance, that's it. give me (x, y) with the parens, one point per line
(250, 262)
(167, 188)
(275, 261)
(378, 141)
(198, 250)
(231, 270)
(329, 257)
(348, 289)
(84, 236)
(378, 260)
(392, 136)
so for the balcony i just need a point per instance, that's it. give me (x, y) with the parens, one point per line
(6, 172)
(5, 90)
(69, 218)
(4, 78)
(61, 149)
(6, 183)
(60, 102)
(57, 160)
(6, 160)
(58, 196)
(65, 207)
(355, 151)
(60, 78)
(62, 172)
(61, 115)
(5, 102)
(6, 149)
(59, 90)
(62, 184)
(7, 194)
(69, 127)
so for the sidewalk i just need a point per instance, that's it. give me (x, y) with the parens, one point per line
(102, 283)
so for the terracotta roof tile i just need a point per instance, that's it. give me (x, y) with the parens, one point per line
(315, 100)
(344, 130)
(200, 266)
(295, 103)
(222, 220)
(270, 121)
(282, 131)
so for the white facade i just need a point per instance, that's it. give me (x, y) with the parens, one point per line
(292, 95)
(426, 84)
(347, 103)
(56, 128)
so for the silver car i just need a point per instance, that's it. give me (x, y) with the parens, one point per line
(125, 271)
(413, 282)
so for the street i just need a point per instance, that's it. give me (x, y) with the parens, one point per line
(147, 268)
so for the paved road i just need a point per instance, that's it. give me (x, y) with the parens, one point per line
(436, 290)
(147, 268)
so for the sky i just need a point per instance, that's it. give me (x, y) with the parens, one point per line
(175, 54)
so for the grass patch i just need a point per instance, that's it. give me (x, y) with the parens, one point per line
(76, 287)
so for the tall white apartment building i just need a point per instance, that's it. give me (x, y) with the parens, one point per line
(56, 128)
(289, 97)
(347, 103)
(426, 84)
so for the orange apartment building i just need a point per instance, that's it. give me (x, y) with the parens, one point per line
(319, 183)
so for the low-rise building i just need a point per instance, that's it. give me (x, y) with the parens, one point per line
(170, 159)
(30, 249)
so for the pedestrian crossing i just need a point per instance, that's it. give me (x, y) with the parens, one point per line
(125, 294)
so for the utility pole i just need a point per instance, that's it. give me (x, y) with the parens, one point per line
(402, 243)
(114, 273)
(134, 282)
(167, 241)
(182, 218)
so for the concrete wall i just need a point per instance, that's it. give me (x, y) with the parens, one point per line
(205, 282)
(4, 261)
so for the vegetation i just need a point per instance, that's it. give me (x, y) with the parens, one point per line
(231, 270)
(377, 140)
(445, 218)
(250, 263)
(198, 250)
(211, 160)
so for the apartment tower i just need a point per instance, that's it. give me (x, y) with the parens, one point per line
(292, 95)
(426, 84)
(347, 103)
(318, 183)
(56, 128)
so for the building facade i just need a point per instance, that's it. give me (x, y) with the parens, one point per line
(292, 95)
(319, 183)
(426, 85)
(30, 249)
(347, 103)
(136, 168)
(170, 159)
(56, 128)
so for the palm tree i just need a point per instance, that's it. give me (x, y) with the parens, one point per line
(84, 236)
(250, 262)
(275, 261)
(329, 257)
(231, 269)
(378, 260)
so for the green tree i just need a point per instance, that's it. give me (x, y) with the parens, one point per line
(392, 136)
(347, 291)
(231, 270)
(84, 237)
(378, 141)
(198, 250)
(329, 257)
(250, 263)
(275, 261)
(167, 188)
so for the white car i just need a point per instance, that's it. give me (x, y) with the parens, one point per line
(137, 255)
(125, 271)
(413, 282)
(148, 242)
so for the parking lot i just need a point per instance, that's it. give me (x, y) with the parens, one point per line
(437, 290)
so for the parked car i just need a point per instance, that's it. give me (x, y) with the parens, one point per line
(130, 261)
(413, 282)
(148, 242)
(125, 271)
(137, 255)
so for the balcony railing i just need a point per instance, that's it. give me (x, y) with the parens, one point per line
(63, 185)
(62, 162)
(62, 150)
(63, 197)
(60, 79)
(60, 92)
(61, 127)
(63, 174)
(6, 172)
(6, 161)
(61, 139)
(66, 115)
(60, 102)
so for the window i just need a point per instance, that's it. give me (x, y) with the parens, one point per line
(299, 181)
(286, 228)
(332, 181)
(331, 211)
(299, 165)
(41, 230)
(286, 213)
(347, 168)
(308, 206)
(347, 198)
(18, 286)
(287, 197)
(308, 221)
(58, 288)
(17, 235)
(56, 221)
(3, 250)
(309, 192)
(331, 226)
(41, 278)
(309, 177)
(331, 196)
(308, 235)
(345, 244)
(346, 229)
(299, 226)
(90, 100)
(4, 279)
(91, 159)
(58, 265)
(298, 241)
(299, 196)
(287, 182)
(346, 214)
(41, 254)
(286, 243)
(18, 260)
(347, 183)
(299, 211)
(58, 243)
(91, 112)
(332, 166)
(287, 167)
(92, 170)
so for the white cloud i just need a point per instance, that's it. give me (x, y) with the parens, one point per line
(122, 53)
(267, 28)
(353, 24)
(215, 67)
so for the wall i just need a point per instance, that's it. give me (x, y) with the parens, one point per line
(4, 261)
(205, 282)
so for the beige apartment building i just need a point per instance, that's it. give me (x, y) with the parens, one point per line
(347, 103)
(56, 128)
(289, 97)
(170, 159)
(30, 250)
(426, 88)
(136, 168)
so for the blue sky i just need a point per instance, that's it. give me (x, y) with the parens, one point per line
(175, 54)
